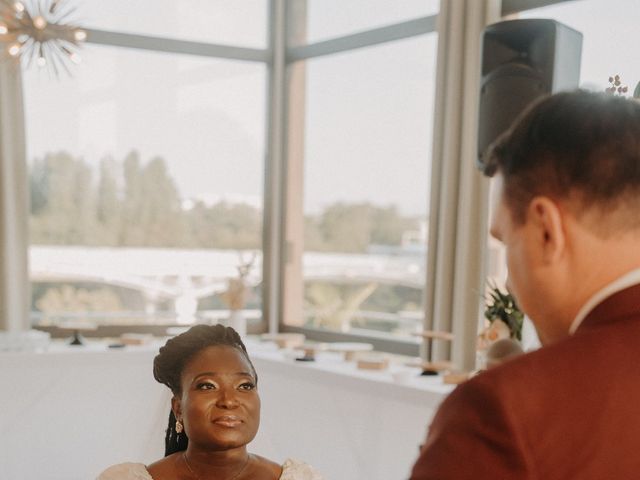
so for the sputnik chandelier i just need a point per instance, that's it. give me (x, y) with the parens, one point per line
(38, 32)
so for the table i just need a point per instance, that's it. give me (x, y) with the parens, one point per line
(68, 413)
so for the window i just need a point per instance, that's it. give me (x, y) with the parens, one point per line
(367, 146)
(144, 200)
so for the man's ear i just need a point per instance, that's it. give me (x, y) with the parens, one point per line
(176, 407)
(546, 218)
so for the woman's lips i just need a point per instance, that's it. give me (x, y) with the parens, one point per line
(229, 421)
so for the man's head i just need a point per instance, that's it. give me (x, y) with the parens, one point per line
(569, 202)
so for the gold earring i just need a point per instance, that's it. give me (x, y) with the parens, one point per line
(179, 426)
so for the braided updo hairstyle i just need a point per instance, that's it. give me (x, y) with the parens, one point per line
(176, 353)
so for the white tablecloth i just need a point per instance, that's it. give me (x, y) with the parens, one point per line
(68, 414)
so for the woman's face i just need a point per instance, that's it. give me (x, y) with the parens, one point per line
(219, 405)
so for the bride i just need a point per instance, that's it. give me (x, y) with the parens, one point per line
(215, 413)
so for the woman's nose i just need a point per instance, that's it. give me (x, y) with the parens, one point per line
(227, 399)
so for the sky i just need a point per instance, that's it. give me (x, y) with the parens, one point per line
(368, 112)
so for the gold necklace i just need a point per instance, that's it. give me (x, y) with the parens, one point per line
(186, 462)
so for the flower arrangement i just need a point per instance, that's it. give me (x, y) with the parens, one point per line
(504, 318)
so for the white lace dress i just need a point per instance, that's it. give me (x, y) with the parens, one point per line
(291, 470)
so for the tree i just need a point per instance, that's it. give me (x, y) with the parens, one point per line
(159, 213)
(137, 204)
(346, 228)
(63, 200)
(38, 186)
(109, 204)
(225, 225)
(130, 232)
(313, 238)
(151, 210)
(352, 228)
(388, 225)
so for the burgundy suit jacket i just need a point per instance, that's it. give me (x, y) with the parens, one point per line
(570, 410)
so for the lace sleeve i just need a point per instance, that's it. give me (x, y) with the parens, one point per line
(296, 470)
(125, 471)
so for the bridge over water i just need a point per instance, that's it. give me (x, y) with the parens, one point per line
(185, 276)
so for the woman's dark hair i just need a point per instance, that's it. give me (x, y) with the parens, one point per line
(176, 353)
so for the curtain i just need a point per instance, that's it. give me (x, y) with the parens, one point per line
(459, 193)
(14, 279)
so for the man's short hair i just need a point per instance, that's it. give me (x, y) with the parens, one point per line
(578, 145)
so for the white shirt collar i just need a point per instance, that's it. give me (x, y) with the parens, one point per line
(627, 280)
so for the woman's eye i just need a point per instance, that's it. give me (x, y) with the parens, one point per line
(247, 386)
(205, 386)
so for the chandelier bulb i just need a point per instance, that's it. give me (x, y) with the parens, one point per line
(39, 22)
(14, 49)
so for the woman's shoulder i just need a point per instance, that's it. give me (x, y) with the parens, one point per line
(297, 470)
(125, 471)
(290, 470)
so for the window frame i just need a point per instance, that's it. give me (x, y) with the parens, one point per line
(296, 55)
(156, 44)
(290, 282)
(283, 61)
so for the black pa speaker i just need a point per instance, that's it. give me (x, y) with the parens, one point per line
(521, 61)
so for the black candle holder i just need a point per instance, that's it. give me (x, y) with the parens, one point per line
(76, 338)
(75, 326)
(430, 367)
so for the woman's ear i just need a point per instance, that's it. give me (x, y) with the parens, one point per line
(546, 219)
(176, 407)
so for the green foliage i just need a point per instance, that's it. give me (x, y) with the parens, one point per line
(502, 306)
(63, 201)
(225, 225)
(352, 228)
(137, 204)
(131, 204)
(108, 213)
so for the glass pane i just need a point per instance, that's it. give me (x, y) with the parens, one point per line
(369, 117)
(242, 23)
(610, 41)
(144, 200)
(334, 18)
